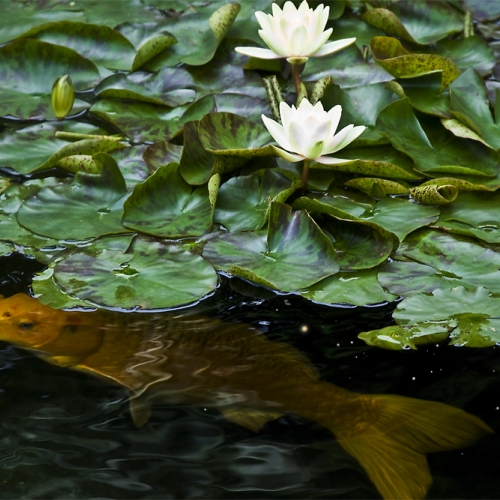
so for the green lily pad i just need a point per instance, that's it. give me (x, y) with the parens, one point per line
(472, 316)
(469, 103)
(358, 288)
(359, 245)
(165, 205)
(479, 210)
(347, 68)
(417, 21)
(397, 338)
(198, 34)
(400, 216)
(376, 161)
(243, 202)
(472, 52)
(89, 207)
(150, 48)
(131, 164)
(25, 149)
(150, 275)
(425, 94)
(140, 122)
(294, 255)
(230, 134)
(435, 150)
(483, 10)
(30, 68)
(162, 153)
(456, 258)
(163, 88)
(395, 59)
(375, 187)
(101, 44)
(196, 164)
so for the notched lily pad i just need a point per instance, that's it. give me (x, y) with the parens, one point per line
(149, 275)
(166, 205)
(294, 254)
(243, 202)
(91, 206)
(358, 288)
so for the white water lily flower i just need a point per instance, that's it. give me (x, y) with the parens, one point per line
(309, 133)
(296, 34)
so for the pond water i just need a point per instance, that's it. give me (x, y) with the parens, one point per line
(66, 434)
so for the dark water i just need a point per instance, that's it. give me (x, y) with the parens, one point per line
(69, 435)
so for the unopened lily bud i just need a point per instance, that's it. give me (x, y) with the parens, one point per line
(63, 96)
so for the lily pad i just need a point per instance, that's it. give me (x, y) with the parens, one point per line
(399, 62)
(469, 103)
(360, 106)
(437, 151)
(458, 259)
(161, 153)
(165, 205)
(425, 94)
(396, 337)
(417, 21)
(101, 44)
(163, 88)
(244, 201)
(30, 67)
(376, 161)
(295, 254)
(150, 275)
(230, 134)
(89, 207)
(472, 316)
(358, 288)
(400, 216)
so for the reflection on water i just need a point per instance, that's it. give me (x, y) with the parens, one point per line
(73, 437)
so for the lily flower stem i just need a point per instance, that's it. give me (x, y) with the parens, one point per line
(296, 76)
(305, 174)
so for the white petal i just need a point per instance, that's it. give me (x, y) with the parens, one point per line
(296, 135)
(277, 131)
(273, 42)
(334, 116)
(335, 142)
(329, 160)
(351, 136)
(303, 8)
(318, 107)
(289, 9)
(287, 156)
(263, 20)
(331, 47)
(318, 42)
(257, 52)
(298, 42)
(286, 114)
(305, 106)
(277, 12)
(323, 18)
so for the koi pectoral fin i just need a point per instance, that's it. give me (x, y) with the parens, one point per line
(140, 411)
(250, 419)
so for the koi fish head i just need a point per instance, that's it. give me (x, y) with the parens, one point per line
(27, 323)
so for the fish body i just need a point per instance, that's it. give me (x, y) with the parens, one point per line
(250, 379)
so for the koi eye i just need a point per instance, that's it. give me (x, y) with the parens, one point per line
(26, 325)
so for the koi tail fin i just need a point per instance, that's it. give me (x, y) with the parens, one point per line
(392, 447)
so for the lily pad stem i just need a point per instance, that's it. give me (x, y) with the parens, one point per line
(305, 174)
